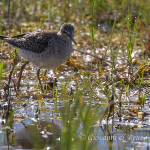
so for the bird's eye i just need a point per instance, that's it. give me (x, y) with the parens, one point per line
(67, 33)
(64, 32)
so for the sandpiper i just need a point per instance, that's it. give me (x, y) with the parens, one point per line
(44, 49)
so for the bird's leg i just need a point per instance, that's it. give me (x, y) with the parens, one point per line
(45, 72)
(53, 81)
(38, 75)
(20, 74)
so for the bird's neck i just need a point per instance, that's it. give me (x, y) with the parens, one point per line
(59, 34)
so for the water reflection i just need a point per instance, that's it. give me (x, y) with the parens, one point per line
(36, 135)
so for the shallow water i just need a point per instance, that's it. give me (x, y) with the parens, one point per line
(74, 110)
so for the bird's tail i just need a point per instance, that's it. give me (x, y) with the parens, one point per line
(3, 38)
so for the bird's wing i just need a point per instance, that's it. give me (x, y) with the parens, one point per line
(34, 41)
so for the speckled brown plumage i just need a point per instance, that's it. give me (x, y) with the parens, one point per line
(35, 41)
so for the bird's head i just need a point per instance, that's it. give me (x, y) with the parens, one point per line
(67, 32)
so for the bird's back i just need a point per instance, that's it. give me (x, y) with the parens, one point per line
(34, 41)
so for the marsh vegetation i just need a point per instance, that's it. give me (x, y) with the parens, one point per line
(100, 98)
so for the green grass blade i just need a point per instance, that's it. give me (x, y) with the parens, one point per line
(1, 69)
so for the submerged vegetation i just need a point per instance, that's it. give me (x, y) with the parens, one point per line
(100, 97)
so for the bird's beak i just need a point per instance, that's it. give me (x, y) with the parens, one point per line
(73, 40)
